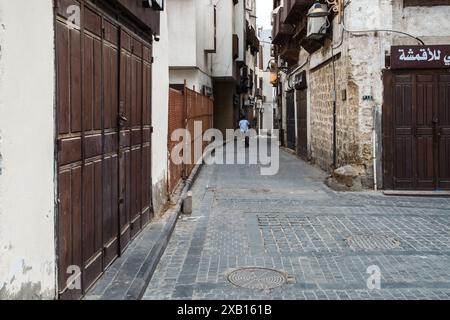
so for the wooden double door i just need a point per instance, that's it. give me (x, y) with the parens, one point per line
(103, 142)
(416, 130)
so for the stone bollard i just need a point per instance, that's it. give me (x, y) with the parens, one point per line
(187, 204)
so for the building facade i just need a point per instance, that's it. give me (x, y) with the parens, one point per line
(192, 29)
(80, 120)
(348, 97)
(213, 48)
(265, 97)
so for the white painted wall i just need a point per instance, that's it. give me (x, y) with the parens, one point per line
(160, 107)
(191, 30)
(223, 58)
(430, 23)
(194, 77)
(182, 28)
(205, 34)
(268, 90)
(239, 27)
(27, 202)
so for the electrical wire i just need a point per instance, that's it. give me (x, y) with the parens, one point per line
(383, 30)
(345, 29)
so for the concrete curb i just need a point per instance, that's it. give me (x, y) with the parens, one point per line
(128, 277)
(145, 274)
(432, 194)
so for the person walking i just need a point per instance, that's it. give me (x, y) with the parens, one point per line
(244, 126)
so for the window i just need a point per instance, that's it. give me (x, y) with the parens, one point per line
(425, 3)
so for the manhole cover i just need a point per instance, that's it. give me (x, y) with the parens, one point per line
(372, 242)
(257, 278)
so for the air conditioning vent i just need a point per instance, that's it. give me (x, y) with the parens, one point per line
(207, 91)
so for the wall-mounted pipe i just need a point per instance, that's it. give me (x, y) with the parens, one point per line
(374, 151)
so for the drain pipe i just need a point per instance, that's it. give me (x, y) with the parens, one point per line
(374, 151)
(334, 97)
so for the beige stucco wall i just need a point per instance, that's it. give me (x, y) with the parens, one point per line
(27, 189)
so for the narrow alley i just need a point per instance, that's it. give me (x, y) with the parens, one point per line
(323, 242)
(114, 116)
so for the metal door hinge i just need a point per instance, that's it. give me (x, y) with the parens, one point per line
(151, 129)
(152, 60)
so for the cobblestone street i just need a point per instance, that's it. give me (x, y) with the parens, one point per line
(321, 240)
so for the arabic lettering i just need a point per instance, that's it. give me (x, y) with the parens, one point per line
(423, 55)
(447, 60)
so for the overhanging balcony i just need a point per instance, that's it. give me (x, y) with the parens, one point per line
(281, 32)
(290, 52)
(295, 8)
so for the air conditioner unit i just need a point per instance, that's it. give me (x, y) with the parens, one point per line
(207, 91)
(318, 22)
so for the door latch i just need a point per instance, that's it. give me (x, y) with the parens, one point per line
(122, 119)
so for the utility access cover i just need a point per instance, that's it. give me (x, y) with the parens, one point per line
(372, 242)
(257, 278)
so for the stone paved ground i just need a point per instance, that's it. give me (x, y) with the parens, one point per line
(293, 223)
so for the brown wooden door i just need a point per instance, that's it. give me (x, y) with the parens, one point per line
(443, 131)
(302, 123)
(416, 124)
(135, 130)
(290, 119)
(90, 184)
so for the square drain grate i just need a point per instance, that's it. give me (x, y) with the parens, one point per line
(372, 242)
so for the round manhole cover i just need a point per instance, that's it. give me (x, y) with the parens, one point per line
(257, 278)
(372, 242)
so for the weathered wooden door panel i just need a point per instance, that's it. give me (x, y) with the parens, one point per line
(302, 123)
(423, 126)
(69, 144)
(111, 142)
(403, 132)
(124, 140)
(104, 142)
(443, 131)
(92, 178)
(135, 136)
(290, 119)
(417, 130)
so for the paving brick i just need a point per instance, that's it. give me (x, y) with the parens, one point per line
(293, 223)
